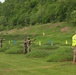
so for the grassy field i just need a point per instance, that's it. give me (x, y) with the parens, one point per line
(53, 57)
(20, 65)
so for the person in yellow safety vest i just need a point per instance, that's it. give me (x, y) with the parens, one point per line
(74, 47)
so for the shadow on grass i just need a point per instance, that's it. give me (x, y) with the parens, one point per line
(64, 44)
(49, 47)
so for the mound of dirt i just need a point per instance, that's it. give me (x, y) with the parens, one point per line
(65, 29)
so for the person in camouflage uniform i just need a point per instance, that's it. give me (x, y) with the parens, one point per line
(1, 41)
(27, 44)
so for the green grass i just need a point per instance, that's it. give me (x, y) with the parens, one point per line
(20, 65)
(53, 57)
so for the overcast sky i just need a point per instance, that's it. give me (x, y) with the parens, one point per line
(2, 1)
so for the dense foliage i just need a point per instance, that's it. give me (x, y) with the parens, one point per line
(17, 13)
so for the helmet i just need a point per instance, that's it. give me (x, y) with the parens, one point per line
(28, 37)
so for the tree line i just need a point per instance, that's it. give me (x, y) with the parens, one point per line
(19, 13)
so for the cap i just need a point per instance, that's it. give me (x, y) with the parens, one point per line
(28, 37)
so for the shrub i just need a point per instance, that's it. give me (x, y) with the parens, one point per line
(14, 50)
(38, 54)
(3, 49)
(61, 55)
(73, 17)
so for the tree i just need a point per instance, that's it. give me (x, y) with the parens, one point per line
(73, 17)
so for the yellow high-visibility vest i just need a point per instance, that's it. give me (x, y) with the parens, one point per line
(74, 40)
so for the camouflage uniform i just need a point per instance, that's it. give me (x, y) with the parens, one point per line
(1, 41)
(25, 47)
(74, 53)
(28, 44)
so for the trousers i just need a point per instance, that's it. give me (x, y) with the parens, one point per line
(74, 54)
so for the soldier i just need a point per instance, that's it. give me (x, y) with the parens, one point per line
(1, 41)
(28, 44)
(25, 46)
(74, 48)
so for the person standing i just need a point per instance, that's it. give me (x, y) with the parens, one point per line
(1, 41)
(74, 47)
(28, 44)
(25, 46)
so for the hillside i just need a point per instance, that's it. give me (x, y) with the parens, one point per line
(48, 28)
(55, 33)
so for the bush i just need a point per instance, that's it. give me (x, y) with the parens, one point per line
(73, 17)
(61, 55)
(14, 50)
(38, 54)
(3, 49)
